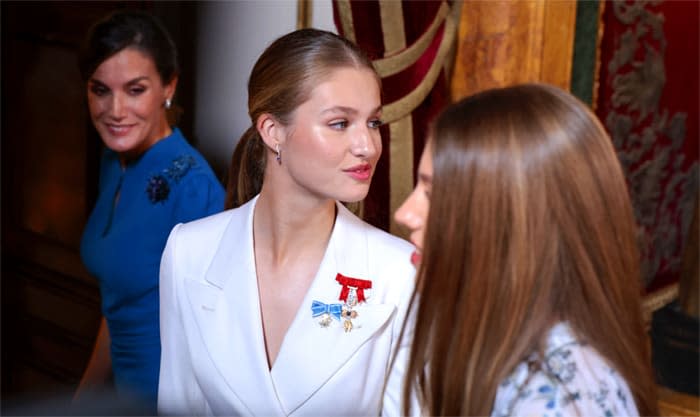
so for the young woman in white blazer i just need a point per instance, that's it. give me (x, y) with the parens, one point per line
(289, 304)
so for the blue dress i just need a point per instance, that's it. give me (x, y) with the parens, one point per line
(123, 242)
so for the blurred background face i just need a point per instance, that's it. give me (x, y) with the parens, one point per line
(332, 146)
(126, 100)
(413, 213)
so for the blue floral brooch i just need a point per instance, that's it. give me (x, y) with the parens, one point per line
(158, 187)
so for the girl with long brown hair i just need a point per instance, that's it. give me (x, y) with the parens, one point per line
(528, 293)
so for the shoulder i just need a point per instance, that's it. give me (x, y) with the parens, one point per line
(209, 228)
(184, 171)
(572, 379)
(195, 243)
(181, 159)
(185, 159)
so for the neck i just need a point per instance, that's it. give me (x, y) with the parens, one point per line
(134, 154)
(291, 228)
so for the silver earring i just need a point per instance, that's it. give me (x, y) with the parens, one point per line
(168, 103)
(279, 154)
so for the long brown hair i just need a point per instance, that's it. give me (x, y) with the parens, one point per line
(530, 223)
(281, 80)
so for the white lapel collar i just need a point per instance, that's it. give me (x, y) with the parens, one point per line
(227, 311)
(311, 354)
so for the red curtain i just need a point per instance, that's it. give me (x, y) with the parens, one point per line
(410, 43)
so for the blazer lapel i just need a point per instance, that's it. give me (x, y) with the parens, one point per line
(227, 311)
(311, 354)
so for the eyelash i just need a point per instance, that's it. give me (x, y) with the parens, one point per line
(100, 91)
(342, 124)
(339, 125)
(375, 123)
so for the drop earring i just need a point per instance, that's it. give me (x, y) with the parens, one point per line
(168, 103)
(279, 154)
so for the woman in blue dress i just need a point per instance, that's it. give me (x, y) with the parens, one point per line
(528, 289)
(150, 180)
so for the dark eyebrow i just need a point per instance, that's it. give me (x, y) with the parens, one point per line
(137, 79)
(96, 81)
(347, 110)
(130, 82)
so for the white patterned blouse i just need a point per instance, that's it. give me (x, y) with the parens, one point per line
(572, 380)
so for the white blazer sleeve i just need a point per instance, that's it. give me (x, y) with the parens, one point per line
(178, 391)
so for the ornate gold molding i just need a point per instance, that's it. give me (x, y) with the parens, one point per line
(507, 42)
(558, 35)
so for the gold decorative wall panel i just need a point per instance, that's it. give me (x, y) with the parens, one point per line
(504, 42)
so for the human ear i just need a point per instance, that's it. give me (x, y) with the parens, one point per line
(270, 130)
(169, 88)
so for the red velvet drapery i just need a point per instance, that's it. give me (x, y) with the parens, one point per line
(648, 100)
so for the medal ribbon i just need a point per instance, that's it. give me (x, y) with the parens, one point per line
(359, 284)
(318, 308)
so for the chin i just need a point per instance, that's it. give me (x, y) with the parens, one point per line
(119, 147)
(352, 197)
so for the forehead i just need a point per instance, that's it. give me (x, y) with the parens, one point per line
(350, 87)
(126, 64)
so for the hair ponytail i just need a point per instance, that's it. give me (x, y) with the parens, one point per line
(246, 171)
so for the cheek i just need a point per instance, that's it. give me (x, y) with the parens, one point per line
(315, 148)
(410, 213)
(420, 207)
(421, 212)
(378, 142)
(420, 239)
(96, 106)
(145, 107)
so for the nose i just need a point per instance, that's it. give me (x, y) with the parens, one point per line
(118, 107)
(366, 144)
(406, 215)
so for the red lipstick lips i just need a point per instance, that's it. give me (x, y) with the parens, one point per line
(361, 172)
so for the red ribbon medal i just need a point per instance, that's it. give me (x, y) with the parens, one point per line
(360, 286)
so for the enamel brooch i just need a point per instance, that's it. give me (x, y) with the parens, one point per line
(352, 293)
(326, 312)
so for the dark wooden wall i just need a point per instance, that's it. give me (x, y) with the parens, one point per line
(50, 157)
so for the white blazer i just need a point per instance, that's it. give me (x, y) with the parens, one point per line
(213, 359)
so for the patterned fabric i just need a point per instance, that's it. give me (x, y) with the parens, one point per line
(158, 187)
(648, 102)
(572, 380)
